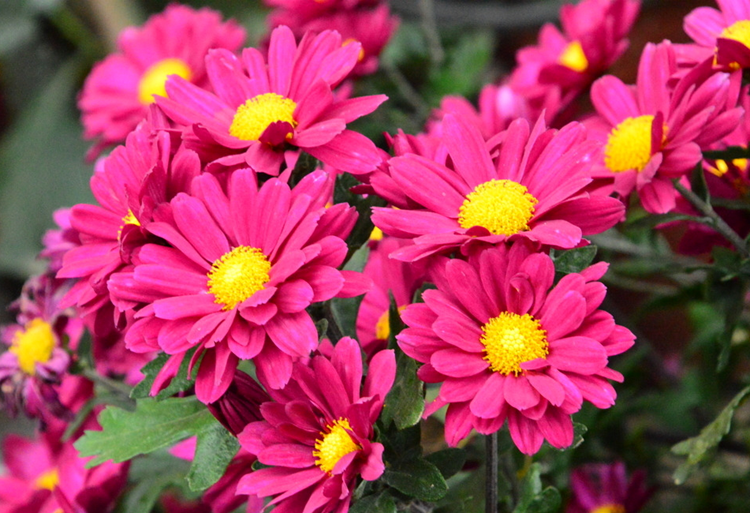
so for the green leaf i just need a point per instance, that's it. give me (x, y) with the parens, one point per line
(377, 503)
(574, 260)
(533, 499)
(417, 478)
(463, 73)
(448, 461)
(699, 447)
(698, 183)
(153, 425)
(213, 452)
(152, 475)
(731, 153)
(180, 383)
(150, 370)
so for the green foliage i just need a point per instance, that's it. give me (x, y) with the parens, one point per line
(152, 474)
(376, 503)
(416, 478)
(448, 461)
(464, 69)
(574, 260)
(534, 498)
(180, 383)
(698, 448)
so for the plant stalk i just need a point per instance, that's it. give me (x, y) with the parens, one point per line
(491, 475)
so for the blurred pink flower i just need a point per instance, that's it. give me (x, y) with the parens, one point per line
(605, 488)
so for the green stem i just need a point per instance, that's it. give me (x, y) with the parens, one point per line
(717, 223)
(491, 475)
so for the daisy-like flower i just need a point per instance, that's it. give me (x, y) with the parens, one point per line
(237, 274)
(534, 190)
(723, 33)
(593, 37)
(117, 93)
(258, 108)
(605, 488)
(654, 133)
(507, 345)
(317, 436)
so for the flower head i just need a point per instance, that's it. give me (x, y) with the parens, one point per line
(507, 345)
(117, 93)
(317, 436)
(723, 34)
(605, 488)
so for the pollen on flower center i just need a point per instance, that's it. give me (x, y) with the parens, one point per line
(129, 218)
(33, 344)
(256, 114)
(334, 444)
(574, 58)
(610, 508)
(738, 31)
(237, 275)
(503, 207)
(48, 480)
(153, 80)
(511, 339)
(629, 145)
(383, 326)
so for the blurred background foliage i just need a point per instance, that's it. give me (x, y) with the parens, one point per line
(691, 357)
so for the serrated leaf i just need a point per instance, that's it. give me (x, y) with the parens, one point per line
(150, 370)
(152, 426)
(448, 461)
(179, 383)
(380, 503)
(213, 452)
(574, 260)
(531, 486)
(698, 447)
(417, 478)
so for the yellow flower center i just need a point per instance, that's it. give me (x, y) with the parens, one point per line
(504, 207)
(738, 31)
(510, 340)
(574, 58)
(130, 219)
(335, 443)
(48, 480)
(237, 275)
(629, 145)
(33, 344)
(383, 326)
(153, 81)
(610, 508)
(256, 114)
(376, 234)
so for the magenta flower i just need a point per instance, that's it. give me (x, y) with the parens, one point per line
(535, 190)
(605, 488)
(117, 93)
(237, 275)
(47, 476)
(507, 345)
(654, 133)
(258, 108)
(317, 437)
(723, 33)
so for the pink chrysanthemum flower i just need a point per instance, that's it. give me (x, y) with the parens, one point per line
(723, 33)
(258, 108)
(507, 345)
(593, 37)
(117, 93)
(317, 437)
(653, 133)
(46, 476)
(389, 277)
(129, 185)
(237, 275)
(534, 190)
(605, 488)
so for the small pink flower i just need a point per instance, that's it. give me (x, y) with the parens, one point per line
(317, 436)
(534, 189)
(605, 488)
(117, 93)
(508, 345)
(259, 106)
(654, 132)
(236, 275)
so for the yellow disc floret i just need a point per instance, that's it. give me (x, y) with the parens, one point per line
(574, 58)
(237, 275)
(738, 31)
(503, 207)
(376, 234)
(383, 326)
(33, 344)
(610, 508)
(153, 80)
(629, 145)
(335, 443)
(256, 114)
(511, 339)
(48, 480)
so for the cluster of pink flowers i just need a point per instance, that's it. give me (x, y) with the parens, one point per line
(212, 243)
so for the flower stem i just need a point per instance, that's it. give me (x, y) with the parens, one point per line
(717, 223)
(491, 476)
